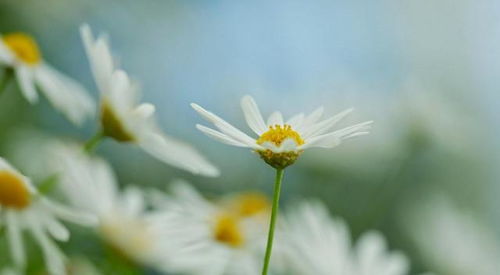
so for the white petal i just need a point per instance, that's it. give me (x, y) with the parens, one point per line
(252, 115)
(134, 201)
(224, 127)
(275, 119)
(69, 214)
(65, 94)
(311, 118)
(24, 77)
(100, 58)
(15, 238)
(323, 126)
(188, 195)
(289, 145)
(122, 92)
(333, 139)
(56, 229)
(374, 258)
(220, 136)
(54, 259)
(296, 121)
(177, 153)
(144, 110)
(6, 56)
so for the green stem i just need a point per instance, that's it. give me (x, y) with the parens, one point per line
(274, 215)
(92, 143)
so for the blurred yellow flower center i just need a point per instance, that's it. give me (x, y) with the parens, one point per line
(13, 191)
(279, 133)
(24, 47)
(128, 237)
(250, 204)
(228, 231)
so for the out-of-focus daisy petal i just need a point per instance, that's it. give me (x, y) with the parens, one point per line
(65, 94)
(6, 56)
(15, 239)
(101, 61)
(24, 76)
(53, 256)
(69, 214)
(56, 229)
(177, 153)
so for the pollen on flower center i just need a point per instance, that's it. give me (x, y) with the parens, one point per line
(13, 191)
(228, 231)
(278, 133)
(24, 47)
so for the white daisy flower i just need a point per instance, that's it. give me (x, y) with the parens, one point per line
(22, 208)
(314, 243)
(126, 120)
(279, 143)
(9, 271)
(125, 224)
(20, 53)
(211, 239)
(454, 241)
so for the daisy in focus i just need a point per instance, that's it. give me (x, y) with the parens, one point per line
(124, 119)
(125, 224)
(279, 142)
(314, 243)
(20, 54)
(212, 238)
(22, 208)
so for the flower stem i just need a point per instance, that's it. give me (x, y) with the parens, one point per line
(92, 143)
(274, 215)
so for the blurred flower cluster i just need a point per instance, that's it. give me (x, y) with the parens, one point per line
(119, 196)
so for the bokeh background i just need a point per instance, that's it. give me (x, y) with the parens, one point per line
(426, 71)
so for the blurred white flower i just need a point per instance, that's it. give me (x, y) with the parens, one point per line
(125, 224)
(211, 238)
(9, 271)
(279, 142)
(81, 266)
(452, 241)
(436, 117)
(124, 119)
(23, 208)
(315, 243)
(20, 53)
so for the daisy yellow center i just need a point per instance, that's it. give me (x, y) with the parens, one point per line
(128, 237)
(24, 47)
(279, 133)
(13, 191)
(250, 204)
(228, 231)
